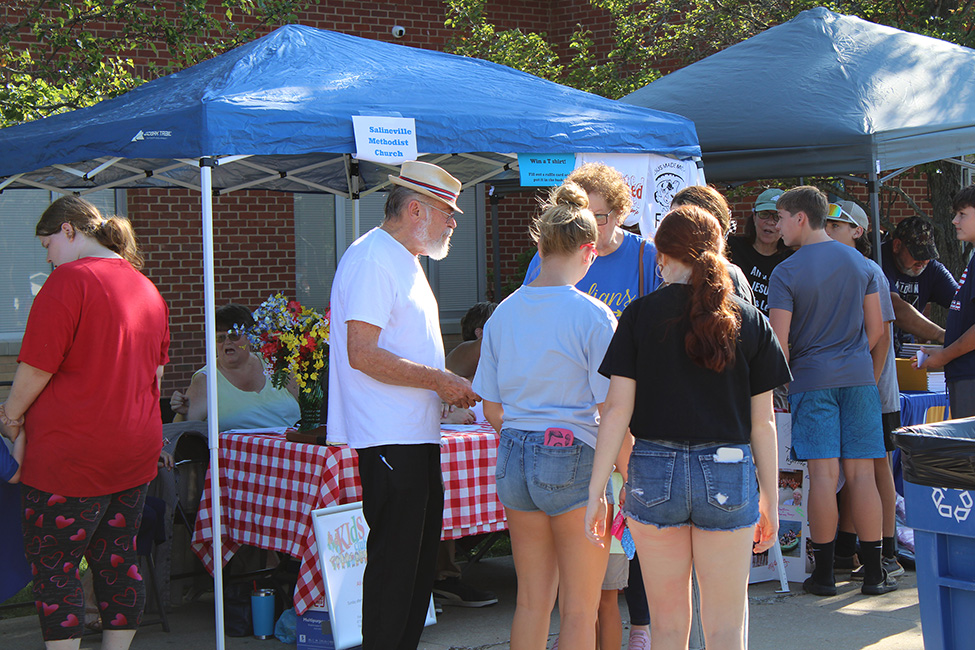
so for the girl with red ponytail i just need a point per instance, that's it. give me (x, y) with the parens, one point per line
(692, 368)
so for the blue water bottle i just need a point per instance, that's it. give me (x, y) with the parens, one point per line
(262, 610)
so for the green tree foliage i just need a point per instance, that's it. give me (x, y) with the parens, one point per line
(629, 64)
(58, 55)
(677, 31)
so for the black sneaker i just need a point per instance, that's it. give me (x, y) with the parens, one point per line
(810, 586)
(886, 585)
(454, 592)
(893, 567)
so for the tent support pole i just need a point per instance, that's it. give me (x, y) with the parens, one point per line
(873, 187)
(213, 437)
(496, 244)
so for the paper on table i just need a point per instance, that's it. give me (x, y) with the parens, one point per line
(278, 430)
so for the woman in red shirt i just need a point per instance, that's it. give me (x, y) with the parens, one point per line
(86, 396)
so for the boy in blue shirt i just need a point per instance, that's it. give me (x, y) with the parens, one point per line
(825, 310)
(958, 355)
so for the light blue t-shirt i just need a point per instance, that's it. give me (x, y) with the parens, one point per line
(614, 279)
(890, 397)
(824, 285)
(540, 358)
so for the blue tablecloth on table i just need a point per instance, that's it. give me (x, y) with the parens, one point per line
(915, 405)
(914, 408)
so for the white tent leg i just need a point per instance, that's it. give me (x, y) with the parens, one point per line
(213, 437)
(873, 187)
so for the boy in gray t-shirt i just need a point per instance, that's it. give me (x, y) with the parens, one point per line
(847, 223)
(825, 310)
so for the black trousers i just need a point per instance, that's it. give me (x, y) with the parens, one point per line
(402, 500)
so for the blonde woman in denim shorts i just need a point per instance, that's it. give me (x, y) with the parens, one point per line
(541, 388)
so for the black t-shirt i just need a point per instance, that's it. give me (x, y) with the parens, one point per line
(961, 316)
(676, 399)
(756, 266)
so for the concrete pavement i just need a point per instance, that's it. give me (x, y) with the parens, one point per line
(794, 621)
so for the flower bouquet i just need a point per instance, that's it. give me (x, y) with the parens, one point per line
(293, 341)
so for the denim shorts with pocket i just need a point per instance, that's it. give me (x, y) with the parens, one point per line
(678, 484)
(531, 476)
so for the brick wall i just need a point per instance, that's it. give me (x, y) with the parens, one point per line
(254, 255)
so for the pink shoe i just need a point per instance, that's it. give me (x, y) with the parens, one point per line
(639, 640)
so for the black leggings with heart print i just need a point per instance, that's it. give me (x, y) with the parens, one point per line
(58, 531)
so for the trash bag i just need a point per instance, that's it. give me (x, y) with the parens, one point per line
(286, 628)
(941, 454)
(237, 617)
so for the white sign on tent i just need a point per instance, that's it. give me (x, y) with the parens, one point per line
(390, 140)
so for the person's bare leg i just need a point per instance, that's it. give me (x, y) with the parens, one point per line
(117, 639)
(864, 498)
(610, 624)
(533, 550)
(665, 557)
(722, 560)
(582, 567)
(64, 644)
(888, 495)
(823, 514)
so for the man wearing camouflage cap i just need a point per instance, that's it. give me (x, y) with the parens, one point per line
(916, 278)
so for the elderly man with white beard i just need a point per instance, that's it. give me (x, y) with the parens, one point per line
(387, 384)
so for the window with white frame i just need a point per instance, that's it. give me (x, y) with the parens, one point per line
(23, 262)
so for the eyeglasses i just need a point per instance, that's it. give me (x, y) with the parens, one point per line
(447, 215)
(603, 218)
(230, 335)
(769, 216)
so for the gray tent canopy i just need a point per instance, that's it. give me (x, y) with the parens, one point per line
(824, 94)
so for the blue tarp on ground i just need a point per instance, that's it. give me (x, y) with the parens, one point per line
(824, 93)
(294, 92)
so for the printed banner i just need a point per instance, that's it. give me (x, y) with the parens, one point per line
(389, 140)
(669, 176)
(341, 533)
(793, 517)
(544, 169)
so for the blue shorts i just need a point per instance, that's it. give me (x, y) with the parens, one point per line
(531, 476)
(837, 423)
(678, 484)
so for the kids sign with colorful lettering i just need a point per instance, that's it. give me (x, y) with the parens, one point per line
(341, 533)
(389, 140)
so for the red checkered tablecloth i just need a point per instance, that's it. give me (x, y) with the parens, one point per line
(270, 486)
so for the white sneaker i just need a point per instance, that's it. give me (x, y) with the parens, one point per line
(639, 640)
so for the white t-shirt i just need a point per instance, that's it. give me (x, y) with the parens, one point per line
(378, 281)
(540, 359)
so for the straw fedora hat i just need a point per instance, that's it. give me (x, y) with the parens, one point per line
(429, 180)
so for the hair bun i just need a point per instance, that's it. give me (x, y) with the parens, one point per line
(570, 194)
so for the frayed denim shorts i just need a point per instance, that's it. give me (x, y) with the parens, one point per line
(532, 477)
(678, 484)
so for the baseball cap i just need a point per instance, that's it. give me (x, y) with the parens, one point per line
(848, 212)
(917, 235)
(766, 200)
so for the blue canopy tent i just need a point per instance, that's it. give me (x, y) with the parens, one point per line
(276, 114)
(825, 94)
